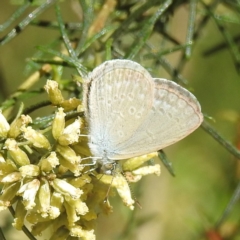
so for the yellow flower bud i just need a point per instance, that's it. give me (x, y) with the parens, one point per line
(91, 215)
(17, 154)
(82, 147)
(15, 127)
(6, 168)
(56, 205)
(61, 169)
(65, 188)
(73, 167)
(47, 164)
(80, 206)
(11, 177)
(134, 163)
(70, 104)
(80, 181)
(106, 208)
(77, 231)
(54, 93)
(29, 171)
(71, 133)
(28, 191)
(36, 138)
(124, 191)
(44, 198)
(61, 234)
(58, 123)
(4, 126)
(80, 108)
(20, 213)
(8, 193)
(146, 170)
(87, 189)
(71, 214)
(39, 227)
(119, 182)
(34, 217)
(68, 153)
(131, 177)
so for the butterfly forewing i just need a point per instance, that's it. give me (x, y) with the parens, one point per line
(120, 97)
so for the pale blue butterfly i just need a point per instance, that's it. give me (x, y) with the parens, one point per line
(129, 113)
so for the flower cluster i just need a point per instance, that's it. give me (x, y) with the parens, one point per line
(48, 176)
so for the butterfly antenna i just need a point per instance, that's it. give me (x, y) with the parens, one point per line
(108, 191)
(113, 173)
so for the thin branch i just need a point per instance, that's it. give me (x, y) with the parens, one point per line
(26, 21)
(191, 22)
(235, 197)
(226, 144)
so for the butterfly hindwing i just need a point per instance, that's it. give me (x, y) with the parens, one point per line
(175, 113)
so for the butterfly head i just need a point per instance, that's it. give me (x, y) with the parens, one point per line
(108, 168)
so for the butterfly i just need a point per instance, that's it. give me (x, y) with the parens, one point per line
(130, 113)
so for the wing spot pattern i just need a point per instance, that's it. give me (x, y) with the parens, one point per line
(122, 96)
(170, 115)
(130, 96)
(172, 97)
(161, 110)
(177, 119)
(132, 110)
(139, 115)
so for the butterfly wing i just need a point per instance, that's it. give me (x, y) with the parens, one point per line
(175, 113)
(120, 96)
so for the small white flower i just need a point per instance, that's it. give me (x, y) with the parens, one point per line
(77, 231)
(120, 183)
(146, 170)
(28, 191)
(71, 133)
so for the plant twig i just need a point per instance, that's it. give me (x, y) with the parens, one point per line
(226, 144)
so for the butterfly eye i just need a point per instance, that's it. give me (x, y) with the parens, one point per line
(108, 168)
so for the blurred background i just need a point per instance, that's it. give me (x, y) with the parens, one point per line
(203, 58)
